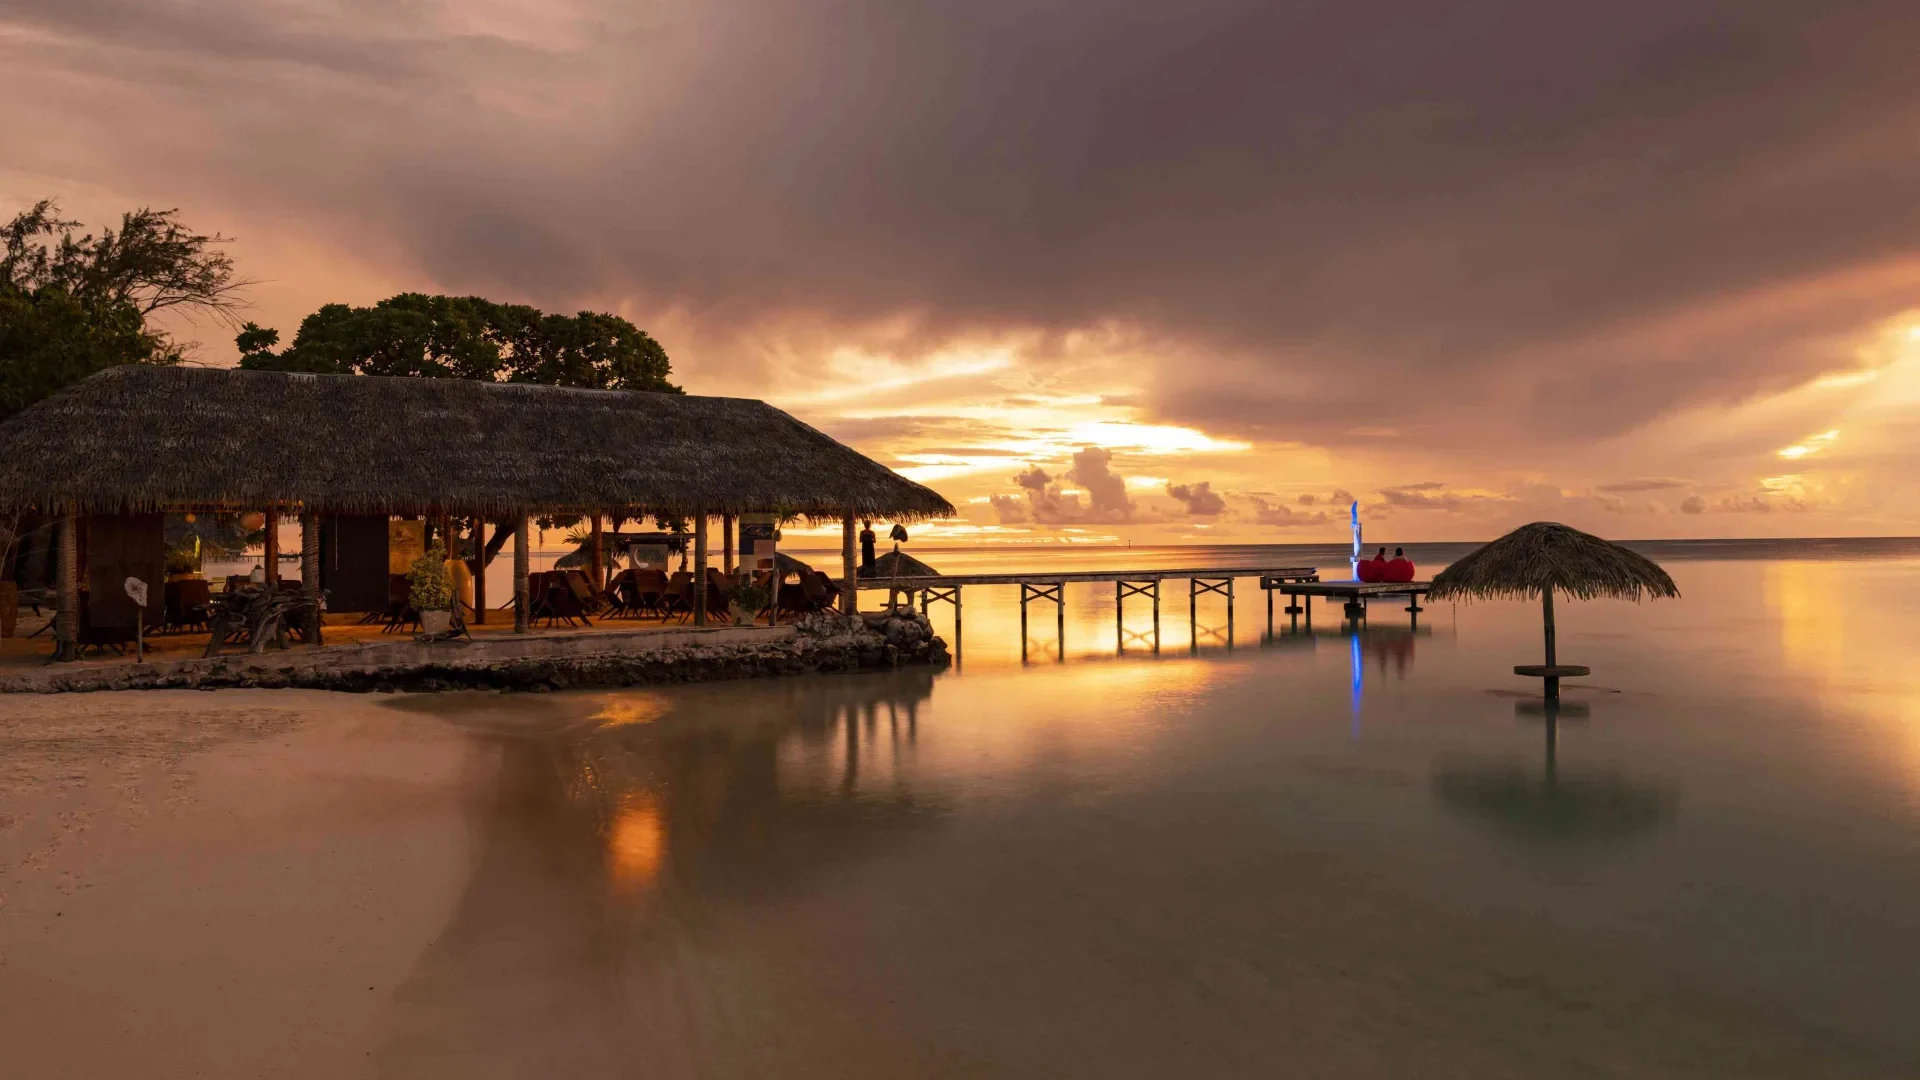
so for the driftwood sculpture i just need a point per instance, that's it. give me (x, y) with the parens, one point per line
(256, 615)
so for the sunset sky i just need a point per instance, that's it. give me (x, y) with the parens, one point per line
(1103, 269)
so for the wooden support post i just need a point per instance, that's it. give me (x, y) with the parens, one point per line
(1023, 618)
(478, 567)
(1156, 614)
(700, 567)
(522, 566)
(1060, 619)
(310, 572)
(66, 619)
(270, 551)
(597, 557)
(849, 579)
(1546, 617)
(726, 543)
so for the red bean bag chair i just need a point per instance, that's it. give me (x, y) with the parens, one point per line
(1397, 571)
(1371, 569)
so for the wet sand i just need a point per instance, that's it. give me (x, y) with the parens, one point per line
(748, 881)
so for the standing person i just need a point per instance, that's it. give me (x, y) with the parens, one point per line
(867, 540)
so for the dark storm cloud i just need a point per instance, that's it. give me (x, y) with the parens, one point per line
(1484, 220)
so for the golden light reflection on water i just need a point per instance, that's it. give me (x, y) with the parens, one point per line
(632, 708)
(1808, 601)
(1844, 629)
(636, 841)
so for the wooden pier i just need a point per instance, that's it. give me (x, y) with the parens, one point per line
(1051, 588)
(1300, 596)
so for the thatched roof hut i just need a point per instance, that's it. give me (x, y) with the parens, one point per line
(135, 439)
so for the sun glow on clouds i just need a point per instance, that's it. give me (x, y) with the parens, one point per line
(855, 375)
(1811, 445)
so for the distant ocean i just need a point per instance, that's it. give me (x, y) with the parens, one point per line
(1434, 555)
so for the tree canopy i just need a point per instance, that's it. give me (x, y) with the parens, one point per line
(466, 337)
(72, 303)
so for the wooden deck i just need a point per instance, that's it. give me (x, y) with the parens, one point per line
(1355, 594)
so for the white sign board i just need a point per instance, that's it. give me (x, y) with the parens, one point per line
(137, 591)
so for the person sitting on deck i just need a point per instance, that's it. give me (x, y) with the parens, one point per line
(1399, 568)
(1370, 570)
(867, 540)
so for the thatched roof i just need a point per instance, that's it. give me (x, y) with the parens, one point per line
(144, 438)
(790, 565)
(898, 564)
(1535, 557)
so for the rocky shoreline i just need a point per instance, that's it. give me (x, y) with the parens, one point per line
(826, 643)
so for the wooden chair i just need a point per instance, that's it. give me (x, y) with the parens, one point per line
(792, 598)
(650, 590)
(582, 589)
(619, 597)
(99, 638)
(820, 590)
(189, 604)
(400, 614)
(678, 599)
(562, 604)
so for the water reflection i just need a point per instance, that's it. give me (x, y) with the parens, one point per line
(612, 813)
(1554, 807)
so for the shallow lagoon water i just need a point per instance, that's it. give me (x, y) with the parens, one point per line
(1312, 853)
(1140, 863)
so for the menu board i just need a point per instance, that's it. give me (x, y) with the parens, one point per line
(406, 541)
(759, 536)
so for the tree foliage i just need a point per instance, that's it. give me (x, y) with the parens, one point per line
(72, 303)
(49, 340)
(466, 337)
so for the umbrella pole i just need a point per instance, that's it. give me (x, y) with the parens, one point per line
(1546, 617)
(1553, 732)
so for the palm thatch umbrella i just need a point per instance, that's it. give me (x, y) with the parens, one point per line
(898, 564)
(787, 564)
(1545, 557)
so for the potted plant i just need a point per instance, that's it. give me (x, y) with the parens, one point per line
(432, 591)
(749, 599)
